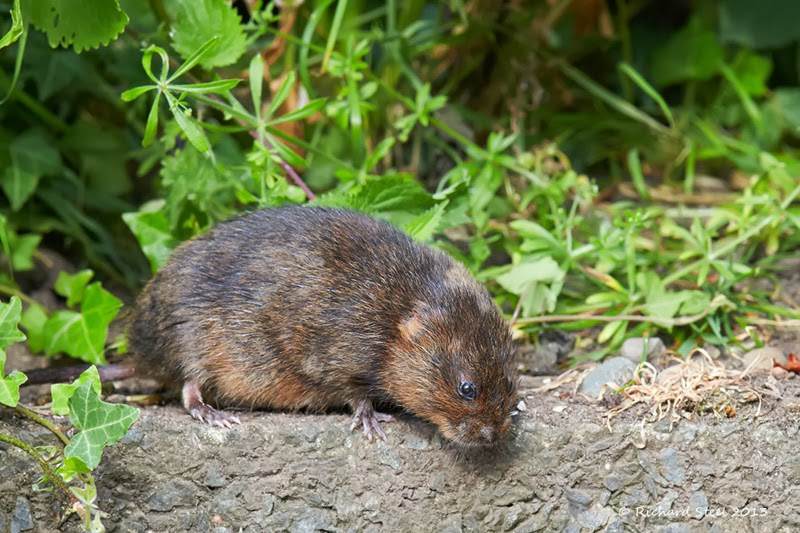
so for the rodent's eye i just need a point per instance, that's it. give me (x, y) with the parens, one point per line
(467, 390)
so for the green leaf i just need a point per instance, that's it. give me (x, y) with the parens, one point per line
(198, 21)
(136, 92)
(151, 128)
(283, 92)
(192, 130)
(9, 334)
(150, 225)
(256, 82)
(15, 31)
(22, 249)
(61, 392)
(693, 53)
(211, 87)
(427, 224)
(299, 114)
(33, 320)
(395, 198)
(9, 385)
(71, 286)
(764, 25)
(77, 24)
(83, 335)
(9, 318)
(538, 282)
(33, 155)
(101, 424)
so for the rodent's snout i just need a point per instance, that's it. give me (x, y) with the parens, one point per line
(480, 433)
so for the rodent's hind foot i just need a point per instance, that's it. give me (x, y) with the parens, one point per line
(370, 419)
(193, 402)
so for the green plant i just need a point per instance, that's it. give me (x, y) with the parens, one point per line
(68, 465)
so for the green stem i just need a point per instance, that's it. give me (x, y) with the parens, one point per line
(24, 411)
(33, 105)
(11, 291)
(55, 478)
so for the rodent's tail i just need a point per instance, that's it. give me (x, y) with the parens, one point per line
(112, 372)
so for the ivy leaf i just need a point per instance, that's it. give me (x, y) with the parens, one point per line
(151, 227)
(83, 335)
(61, 392)
(197, 21)
(71, 286)
(101, 424)
(22, 250)
(9, 318)
(9, 385)
(33, 320)
(81, 25)
(9, 334)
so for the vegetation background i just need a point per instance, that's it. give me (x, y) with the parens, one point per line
(629, 165)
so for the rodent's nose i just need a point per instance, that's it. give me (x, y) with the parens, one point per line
(487, 434)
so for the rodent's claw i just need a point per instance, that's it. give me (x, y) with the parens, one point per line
(193, 402)
(371, 420)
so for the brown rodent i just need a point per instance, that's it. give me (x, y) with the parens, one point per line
(307, 307)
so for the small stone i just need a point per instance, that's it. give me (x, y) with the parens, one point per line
(698, 505)
(649, 347)
(452, 524)
(21, 519)
(413, 441)
(670, 469)
(175, 493)
(762, 358)
(616, 370)
(214, 479)
(521, 405)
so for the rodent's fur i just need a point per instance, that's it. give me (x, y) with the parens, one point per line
(307, 307)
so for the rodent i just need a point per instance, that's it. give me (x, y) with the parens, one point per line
(308, 307)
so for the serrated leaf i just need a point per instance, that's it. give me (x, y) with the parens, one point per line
(77, 24)
(197, 21)
(71, 286)
(151, 226)
(101, 424)
(426, 225)
(61, 392)
(83, 335)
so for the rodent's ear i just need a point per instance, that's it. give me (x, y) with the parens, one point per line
(412, 326)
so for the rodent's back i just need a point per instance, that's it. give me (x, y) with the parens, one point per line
(310, 307)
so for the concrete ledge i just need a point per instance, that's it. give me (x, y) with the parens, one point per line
(562, 472)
